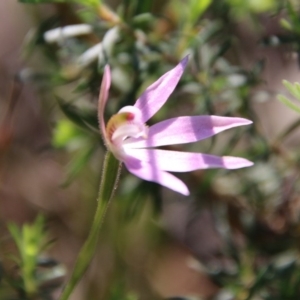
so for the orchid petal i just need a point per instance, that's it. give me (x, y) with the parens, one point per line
(176, 161)
(158, 93)
(103, 95)
(149, 172)
(186, 129)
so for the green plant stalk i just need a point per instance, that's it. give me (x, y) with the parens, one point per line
(109, 180)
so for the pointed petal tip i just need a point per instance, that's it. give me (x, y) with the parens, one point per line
(246, 163)
(186, 193)
(231, 162)
(181, 189)
(185, 60)
(237, 121)
(242, 121)
(249, 164)
(248, 122)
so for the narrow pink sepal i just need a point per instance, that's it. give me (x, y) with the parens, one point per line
(103, 95)
(176, 161)
(186, 129)
(158, 93)
(149, 172)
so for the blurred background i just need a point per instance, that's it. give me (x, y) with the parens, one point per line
(236, 236)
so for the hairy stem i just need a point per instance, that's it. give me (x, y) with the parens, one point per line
(109, 181)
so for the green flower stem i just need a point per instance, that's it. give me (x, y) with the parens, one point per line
(109, 181)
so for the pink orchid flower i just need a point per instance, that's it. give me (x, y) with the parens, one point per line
(131, 141)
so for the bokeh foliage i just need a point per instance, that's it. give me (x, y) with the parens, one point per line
(140, 40)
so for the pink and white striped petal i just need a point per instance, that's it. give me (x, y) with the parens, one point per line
(158, 93)
(183, 130)
(103, 95)
(150, 172)
(175, 161)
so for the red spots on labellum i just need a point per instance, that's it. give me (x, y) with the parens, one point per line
(130, 116)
